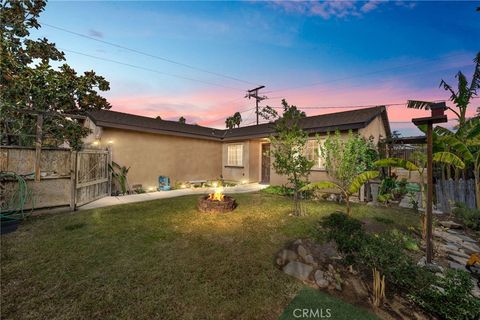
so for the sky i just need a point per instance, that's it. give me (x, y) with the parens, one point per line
(198, 59)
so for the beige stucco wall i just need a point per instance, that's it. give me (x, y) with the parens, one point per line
(375, 129)
(240, 173)
(150, 155)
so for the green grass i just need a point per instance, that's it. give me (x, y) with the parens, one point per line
(311, 303)
(160, 259)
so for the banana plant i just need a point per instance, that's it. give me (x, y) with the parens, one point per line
(346, 191)
(440, 157)
(120, 174)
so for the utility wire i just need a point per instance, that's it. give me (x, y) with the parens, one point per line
(364, 74)
(149, 69)
(148, 54)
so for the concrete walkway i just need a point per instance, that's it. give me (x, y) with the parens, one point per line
(112, 201)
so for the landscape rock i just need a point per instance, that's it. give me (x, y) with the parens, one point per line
(450, 225)
(298, 270)
(320, 279)
(309, 259)
(286, 256)
(302, 252)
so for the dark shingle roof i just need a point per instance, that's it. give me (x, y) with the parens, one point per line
(346, 120)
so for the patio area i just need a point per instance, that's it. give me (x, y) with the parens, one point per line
(132, 198)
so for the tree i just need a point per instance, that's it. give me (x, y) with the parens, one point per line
(158, 118)
(30, 85)
(346, 158)
(347, 190)
(182, 120)
(233, 121)
(461, 98)
(288, 150)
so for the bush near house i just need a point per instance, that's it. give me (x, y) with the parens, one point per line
(469, 217)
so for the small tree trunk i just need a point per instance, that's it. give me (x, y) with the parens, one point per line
(347, 200)
(476, 171)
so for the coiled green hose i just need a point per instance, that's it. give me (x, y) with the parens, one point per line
(14, 207)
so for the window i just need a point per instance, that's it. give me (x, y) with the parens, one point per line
(235, 155)
(312, 152)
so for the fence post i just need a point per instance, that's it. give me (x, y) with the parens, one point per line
(38, 146)
(73, 179)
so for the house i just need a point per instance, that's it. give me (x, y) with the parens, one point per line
(185, 152)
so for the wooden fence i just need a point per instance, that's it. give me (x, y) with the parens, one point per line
(448, 192)
(56, 176)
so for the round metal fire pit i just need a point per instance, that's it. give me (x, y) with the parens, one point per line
(212, 206)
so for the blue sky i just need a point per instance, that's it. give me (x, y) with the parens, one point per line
(356, 53)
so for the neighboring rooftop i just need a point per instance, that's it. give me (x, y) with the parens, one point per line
(345, 120)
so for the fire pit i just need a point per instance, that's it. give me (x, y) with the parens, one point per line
(216, 202)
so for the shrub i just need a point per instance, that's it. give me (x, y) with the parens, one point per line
(280, 190)
(347, 232)
(449, 297)
(469, 217)
(386, 253)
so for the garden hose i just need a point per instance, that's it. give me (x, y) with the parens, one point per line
(14, 208)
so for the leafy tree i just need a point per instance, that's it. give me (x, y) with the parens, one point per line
(182, 120)
(347, 190)
(288, 150)
(346, 160)
(233, 121)
(29, 84)
(461, 97)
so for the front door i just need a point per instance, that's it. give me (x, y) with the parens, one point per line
(266, 163)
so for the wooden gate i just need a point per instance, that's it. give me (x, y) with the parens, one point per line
(92, 176)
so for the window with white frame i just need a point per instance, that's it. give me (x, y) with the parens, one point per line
(235, 155)
(312, 152)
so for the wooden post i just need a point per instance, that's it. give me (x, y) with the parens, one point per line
(38, 146)
(73, 180)
(429, 192)
(438, 116)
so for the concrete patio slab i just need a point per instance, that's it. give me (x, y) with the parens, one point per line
(112, 201)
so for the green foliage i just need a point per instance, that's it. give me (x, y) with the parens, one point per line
(120, 174)
(30, 84)
(233, 121)
(346, 157)
(469, 217)
(288, 150)
(347, 232)
(280, 190)
(386, 253)
(182, 120)
(461, 97)
(347, 191)
(449, 297)
(397, 163)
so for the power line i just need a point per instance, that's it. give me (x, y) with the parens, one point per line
(148, 54)
(363, 74)
(224, 117)
(149, 69)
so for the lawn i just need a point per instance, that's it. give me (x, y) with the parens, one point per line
(160, 259)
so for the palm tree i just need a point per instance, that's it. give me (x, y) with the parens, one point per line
(461, 98)
(346, 190)
(233, 121)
